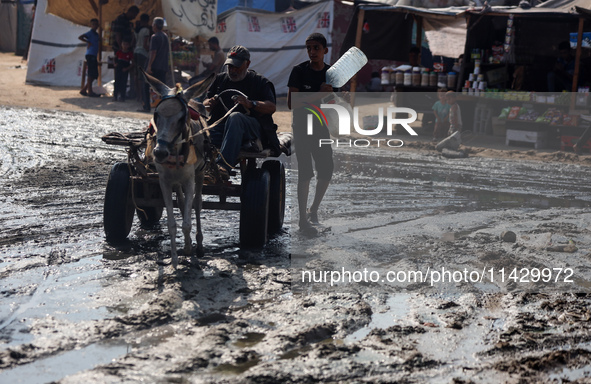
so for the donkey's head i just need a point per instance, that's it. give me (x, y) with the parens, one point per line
(171, 116)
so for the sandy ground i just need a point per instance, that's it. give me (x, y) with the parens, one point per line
(16, 93)
(76, 309)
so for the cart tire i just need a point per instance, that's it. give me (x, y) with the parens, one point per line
(276, 194)
(149, 216)
(118, 207)
(254, 208)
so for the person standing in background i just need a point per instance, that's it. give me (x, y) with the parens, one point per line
(158, 58)
(91, 38)
(140, 53)
(122, 28)
(123, 65)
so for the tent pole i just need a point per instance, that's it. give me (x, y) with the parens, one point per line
(578, 55)
(99, 81)
(360, 19)
(419, 37)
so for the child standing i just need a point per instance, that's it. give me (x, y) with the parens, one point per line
(122, 67)
(310, 76)
(441, 111)
(91, 38)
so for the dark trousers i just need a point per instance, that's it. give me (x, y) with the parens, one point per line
(140, 62)
(121, 77)
(160, 75)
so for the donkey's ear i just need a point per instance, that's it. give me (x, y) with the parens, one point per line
(159, 87)
(199, 88)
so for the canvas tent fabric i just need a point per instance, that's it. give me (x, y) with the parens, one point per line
(81, 11)
(186, 19)
(276, 40)
(56, 56)
(226, 5)
(387, 31)
(8, 20)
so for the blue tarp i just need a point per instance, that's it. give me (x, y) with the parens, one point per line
(267, 5)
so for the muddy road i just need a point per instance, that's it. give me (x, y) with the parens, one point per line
(75, 309)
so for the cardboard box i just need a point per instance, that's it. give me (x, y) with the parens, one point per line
(586, 43)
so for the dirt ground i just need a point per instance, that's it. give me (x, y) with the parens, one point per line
(76, 309)
(16, 93)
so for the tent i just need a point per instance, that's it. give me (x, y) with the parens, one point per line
(56, 55)
(15, 18)
(8, 18)
(277, 40)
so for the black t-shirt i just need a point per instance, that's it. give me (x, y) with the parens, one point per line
(256, 87)
(124, 27)
(305, 79)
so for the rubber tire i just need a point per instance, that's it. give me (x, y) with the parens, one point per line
(254, 208)
(276, 194)
(118, 207)
(154, 213)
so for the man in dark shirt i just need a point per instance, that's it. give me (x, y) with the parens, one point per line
(158, 58)
(123, 28)
(257, 96)
(310, 76)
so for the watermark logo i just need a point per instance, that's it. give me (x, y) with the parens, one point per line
(394, 116)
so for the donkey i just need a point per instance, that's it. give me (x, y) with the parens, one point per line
(178, 154)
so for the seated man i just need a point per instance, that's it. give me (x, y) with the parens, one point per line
(240, 128)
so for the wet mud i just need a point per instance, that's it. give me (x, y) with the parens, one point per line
(76, 309)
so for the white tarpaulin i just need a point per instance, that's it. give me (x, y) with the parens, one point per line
(446, 37)
(190, 19)
(56, 56)
(183, 17)
(276, 41)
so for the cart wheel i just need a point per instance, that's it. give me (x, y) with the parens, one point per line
(148, 216)
(276, 194)
(118, 208)
(254, 208)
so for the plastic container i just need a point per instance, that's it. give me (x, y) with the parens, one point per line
(408, 78)
(433, 79)
(346, 67)
(392, 76)
(452, 77)
(385, 78)
(399, 78)
(416, 77)
(425, 78)
(442, 80)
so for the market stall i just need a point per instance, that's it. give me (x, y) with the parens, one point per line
(386, 33)
(509, 67)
